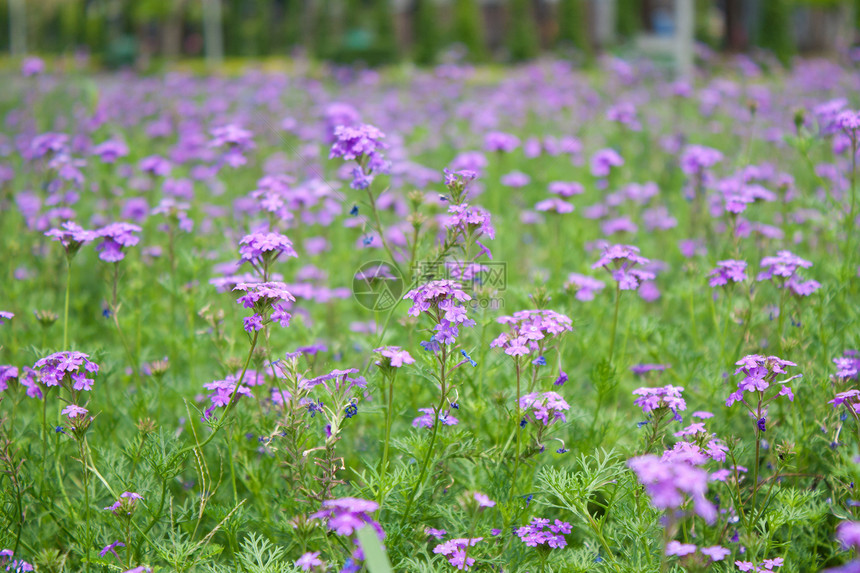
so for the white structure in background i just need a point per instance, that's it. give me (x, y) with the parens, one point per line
(18, 27)
(680, 44)
(604, 21)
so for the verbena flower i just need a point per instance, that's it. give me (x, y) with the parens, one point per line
(680, 549)
(530, 331)
(125, 505)
(393, 356)
(668, 397)
(544, 408)
(346, 515)
(115, 237)
(72, 236)
(309, 561)
(726, 272)
(760, 373)
(68, 369)
(543, 532)
(697, 158)
(6, 315)
(715, 552)
(668, 482)
(497, 141)
(236, 140)
(847, 366)
(619, 261)
(428, 415)
(268, 301)
(13, 565)
(604, 160)
(783, 269)
(355, 143)
(443, 302)
(455, 551)
(263, 249)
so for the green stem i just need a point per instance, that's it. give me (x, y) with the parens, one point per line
(614, 321)
(517, 429)
(66, 309)
(229, 407)
(388, 418)
(435, 430)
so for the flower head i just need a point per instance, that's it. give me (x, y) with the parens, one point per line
(115, 237)
(69, 369)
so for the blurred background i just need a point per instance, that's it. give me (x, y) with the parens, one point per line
(147, 33)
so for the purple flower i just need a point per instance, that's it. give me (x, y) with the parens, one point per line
(308, 561)
(500, 142)
(619, 261)
(728, 271)
(454, 550)
(603, 161)
(483, 500)
(111, 150)
(669, 397)
(847, 366)
(72, 236)
(396, 356)
(566, 188)
(354, 143)
(785, 266)
(110, 548)
(261, 249)
(544, 408)
(346, 515)
(760, 373)
(680, 549)
(73, 411)
(6, 315)
(437, 533)
(541, 532)
(115, 237)
(848, 533)
(68, 369)
(667, 482)
(428, 416)
(442, 301)
(32, 66)
(125, 505)
(715, 552)
(697, 158)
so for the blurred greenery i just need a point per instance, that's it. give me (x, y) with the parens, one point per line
(121, 32)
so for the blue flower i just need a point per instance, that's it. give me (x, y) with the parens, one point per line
(354, 210)
(469, 358)
(351, 410)
(539, 361)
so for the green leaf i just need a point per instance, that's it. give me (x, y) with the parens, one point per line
(374, 555)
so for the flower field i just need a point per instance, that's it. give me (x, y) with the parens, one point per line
(531, 319)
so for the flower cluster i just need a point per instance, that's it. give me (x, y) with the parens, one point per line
(667, 482)
(469, 221)
(847, 366)
(544, 408)
(584, 286)
(393, 357)
(236, 140)
(68, 369)
(760, 373)
(541, 532)
(362, 144)
(115, 237)
(125, 505)
(72, 236)
(530, 330)
(726, 272)
(262, 249)
(267, 300)
(664, 397)
(619, 261)
(14, 565)
(783, 268)
(428, 417)
(442, 301)
(455, 551)
(766, 565)
(26, 377)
